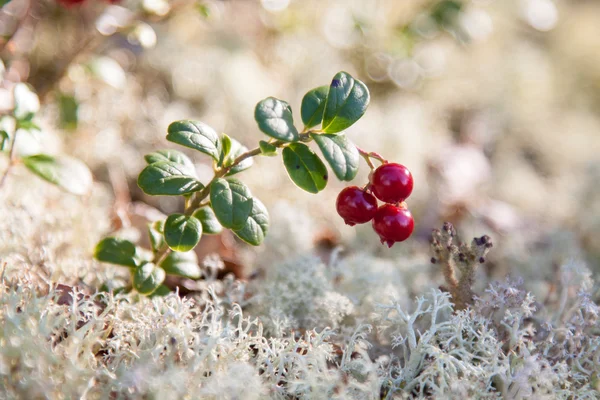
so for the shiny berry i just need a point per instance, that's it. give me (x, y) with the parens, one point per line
(393, 224)
(355, 205)
(392, 183)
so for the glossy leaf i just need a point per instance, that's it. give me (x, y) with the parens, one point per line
(68, 173)
(305, 168)
(117, 251)
(195, 135)
(174, 156)
(346, 102)
(210, 223)
(313, 106)
(225, 148)
(341, 154)
(156, 231)
(256, 226)
(274, 118)
(231, 201)
(147, 278)
(236, 150)
(167, 178)
(267, 149)
(182, 232)
(182, 264)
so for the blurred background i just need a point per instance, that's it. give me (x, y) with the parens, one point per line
(493, 105)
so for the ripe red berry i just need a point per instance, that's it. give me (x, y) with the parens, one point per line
(393, 224)
(392, 183)
(355, 205)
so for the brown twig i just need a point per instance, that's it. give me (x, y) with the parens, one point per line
(462, 257)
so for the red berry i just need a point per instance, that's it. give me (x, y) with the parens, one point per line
(392, 183)
(393, 224)
(355, 205)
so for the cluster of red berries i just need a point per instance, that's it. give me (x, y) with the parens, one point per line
(391, 183)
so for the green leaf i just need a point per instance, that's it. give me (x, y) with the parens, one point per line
(236, 150)
(182, 232)
(445, 13)
(210, 223)
(231, 201)
(147, 278)
(117, 251)
(174, 156)
(226, 148)
(182, 264)
(196, 135)
(274, 118)
(340, 153)
(68, 173)
(162, 291)
(257, 224)
(267, 149)
(69, 111)
(305, 168)
(313, 105)
(3, 139)
(156, 233)
(167, 178)
(346, 102)
(4, 2)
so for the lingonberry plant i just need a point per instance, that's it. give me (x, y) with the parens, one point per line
(66, 172)
(226, 202)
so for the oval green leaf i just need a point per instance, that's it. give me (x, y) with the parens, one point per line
(156, 231)
(305, 168)
(341, 154)
(182, 232)
(195, 135)
(173, 156)
(231, 201)
(147, 278)
(347, 101)
(237, 149)
(210, 223)
(274, 118)
(167, 178)
(116, 251)
(225, 148)
(257, 224)
(313, 106)
(182, 264)
(267, 149)
(68, 173)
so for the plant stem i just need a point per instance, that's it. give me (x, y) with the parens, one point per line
(196, 201)
(11, 158)
(368, 155)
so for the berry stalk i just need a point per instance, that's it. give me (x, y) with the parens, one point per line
(367, 155)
